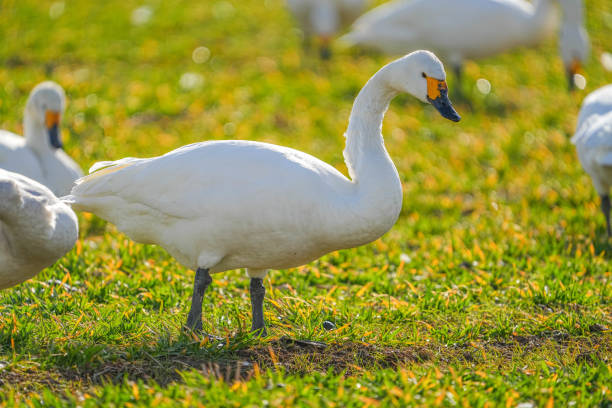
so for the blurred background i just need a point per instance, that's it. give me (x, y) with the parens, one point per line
(497, 204)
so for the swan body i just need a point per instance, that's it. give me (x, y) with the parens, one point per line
(224, 205)
(36, 228)
(240, 204)
(469, 29)
(39, 154)
(593, 140)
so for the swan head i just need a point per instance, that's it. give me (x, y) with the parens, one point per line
(45, 106)
(422, 75)
(573, 39)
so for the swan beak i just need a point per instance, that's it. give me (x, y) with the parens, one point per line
(52, 120)
(437, 95)
(574, 68)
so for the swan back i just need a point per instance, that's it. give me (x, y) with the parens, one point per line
(455, 30)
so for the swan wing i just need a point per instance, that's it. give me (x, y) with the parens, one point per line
(212, 178)
(15, 156)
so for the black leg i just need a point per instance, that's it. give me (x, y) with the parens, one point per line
(325, 52)
(458, 70)
(605, 208)
(571, 85)
(258, 292)
(201, 282)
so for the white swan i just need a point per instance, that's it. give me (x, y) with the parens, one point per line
(471, 29)
(324, 18)
(39, 155)
(593, 140)
(239, 204)
(36, 228)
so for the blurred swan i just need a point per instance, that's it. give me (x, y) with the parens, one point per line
(39, 154)
(471, 29)
(593, 140)
(324, 18)
(36, 228)
(225, 205)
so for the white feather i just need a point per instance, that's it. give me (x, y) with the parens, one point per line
(466, 29)
(36, 228)
(593, 138)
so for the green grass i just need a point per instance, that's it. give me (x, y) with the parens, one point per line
(493, 288)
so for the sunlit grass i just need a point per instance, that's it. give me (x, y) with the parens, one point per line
(500, 238)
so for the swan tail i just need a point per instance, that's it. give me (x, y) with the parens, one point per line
(350, 39)
(68, 200)
(105, 164)
(103, 168)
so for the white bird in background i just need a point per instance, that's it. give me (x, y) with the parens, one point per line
(39, 154)
(574, 44)
(323, 19)
(36, 228)
(225, 205)
(593, 140)
(471, 29)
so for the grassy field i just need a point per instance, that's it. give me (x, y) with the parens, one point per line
(493, 288)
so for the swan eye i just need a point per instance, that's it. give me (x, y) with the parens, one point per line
(423, 75)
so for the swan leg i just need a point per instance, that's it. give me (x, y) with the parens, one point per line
(325, 52)
(458, 71)
(605, 208)
(258, 292)
(201, 282)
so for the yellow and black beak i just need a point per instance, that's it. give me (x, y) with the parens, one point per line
(52, 120)
(573, 69)
(437, 95)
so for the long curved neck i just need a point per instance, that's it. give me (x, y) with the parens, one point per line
(378, 191)
(573, 12)
(363, 135)
(35, 133)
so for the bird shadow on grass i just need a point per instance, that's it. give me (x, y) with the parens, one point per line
(168, 363)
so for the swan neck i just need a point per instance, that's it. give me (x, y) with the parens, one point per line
(377, 196)
(35, 133)
(363, 136)
(573, 11)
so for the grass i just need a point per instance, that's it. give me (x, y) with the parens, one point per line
(493, 288)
